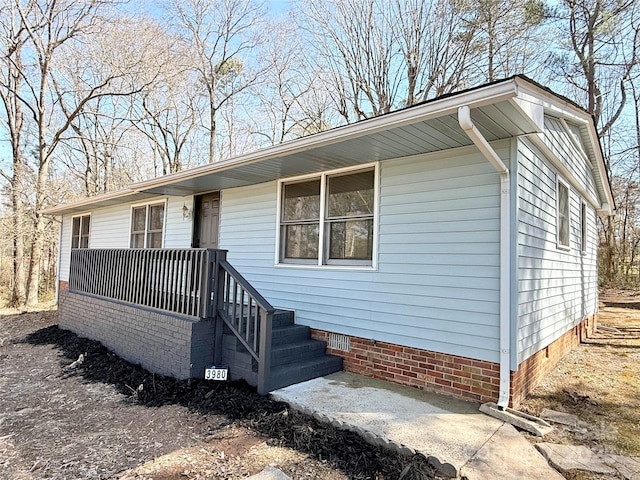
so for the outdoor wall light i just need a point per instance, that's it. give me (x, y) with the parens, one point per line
(186, 211)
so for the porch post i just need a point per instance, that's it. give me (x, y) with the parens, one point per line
(218, 298)
(264, 364)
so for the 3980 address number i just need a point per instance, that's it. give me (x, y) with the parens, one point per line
(219, 374)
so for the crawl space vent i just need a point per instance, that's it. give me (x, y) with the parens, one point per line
(339, 342)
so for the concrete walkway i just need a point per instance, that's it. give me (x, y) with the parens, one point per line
(458, 440)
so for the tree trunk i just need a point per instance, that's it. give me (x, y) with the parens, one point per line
(18, 291)
(212, 133)
(37, 243)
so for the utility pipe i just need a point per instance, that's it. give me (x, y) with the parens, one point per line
(464, 119)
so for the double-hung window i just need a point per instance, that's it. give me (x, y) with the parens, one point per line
(562, 221)
(328, 220)
(301, 221)
(147, 222)
(80, 231)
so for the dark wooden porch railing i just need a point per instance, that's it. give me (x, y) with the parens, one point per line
(174, 280)
(195, 282)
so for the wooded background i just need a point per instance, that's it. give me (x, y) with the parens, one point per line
(97, 94)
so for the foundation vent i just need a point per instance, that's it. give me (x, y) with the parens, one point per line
(339, 342)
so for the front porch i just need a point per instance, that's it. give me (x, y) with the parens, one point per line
(178, 311)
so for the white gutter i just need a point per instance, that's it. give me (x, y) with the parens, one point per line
(464, 119)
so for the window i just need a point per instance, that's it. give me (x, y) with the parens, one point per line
(563, 215)
(328, 220)
(146, 226)
(301, 220)
(583, 227)
(80, 231)
(349, 218)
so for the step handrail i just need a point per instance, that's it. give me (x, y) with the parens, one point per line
(246, 313)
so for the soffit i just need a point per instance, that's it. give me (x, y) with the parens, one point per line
(425, 128)
(496, 122)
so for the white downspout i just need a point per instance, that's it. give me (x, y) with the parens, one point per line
(464, 119)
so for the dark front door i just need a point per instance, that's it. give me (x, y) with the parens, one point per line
(206, 228)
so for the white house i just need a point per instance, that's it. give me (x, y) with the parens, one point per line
(450, 245)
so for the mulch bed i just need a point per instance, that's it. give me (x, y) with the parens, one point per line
(240, 404)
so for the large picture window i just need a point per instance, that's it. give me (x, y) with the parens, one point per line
(147, 222)
(328, 220)
(80, 231)
(562, 223)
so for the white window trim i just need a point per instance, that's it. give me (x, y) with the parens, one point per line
(320, 265)
(146, 220)
(565, 184)
(80, 215)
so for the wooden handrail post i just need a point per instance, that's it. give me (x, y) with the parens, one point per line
(218, 299)
(264, 364)
(205, 284)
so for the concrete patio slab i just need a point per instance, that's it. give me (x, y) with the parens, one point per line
(628, 467)
(573, 457)
(508, 455)
(449, 432)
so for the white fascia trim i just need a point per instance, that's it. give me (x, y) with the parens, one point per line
(464, 118)
(565, 110)
(602, 209)
(87, 202)
(490, 94)
(475, 98)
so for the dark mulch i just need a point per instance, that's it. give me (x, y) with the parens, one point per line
(238, 402)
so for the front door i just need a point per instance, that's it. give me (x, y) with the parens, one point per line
(206, 228)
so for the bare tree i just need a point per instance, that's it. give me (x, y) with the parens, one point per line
(11, 43)
(378, 55)
(507, 36)
(54, 103)
(602, 50)
(603, 36)
(96, 144)
(223, 35)
(290, 101)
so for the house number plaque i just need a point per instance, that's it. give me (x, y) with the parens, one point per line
(216, 373)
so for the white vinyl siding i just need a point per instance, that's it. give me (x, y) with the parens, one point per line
(110, 228)
(567, 146)
(557, 289)
(179, 228)
(436, 285)
(65, 246)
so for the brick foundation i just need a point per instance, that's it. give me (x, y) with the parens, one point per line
(461, 377)
(63, 285)
(164, 343)
(535, 368)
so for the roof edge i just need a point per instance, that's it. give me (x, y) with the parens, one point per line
(475, 97)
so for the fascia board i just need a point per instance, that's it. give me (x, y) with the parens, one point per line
(437, 108)
(564, 109)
